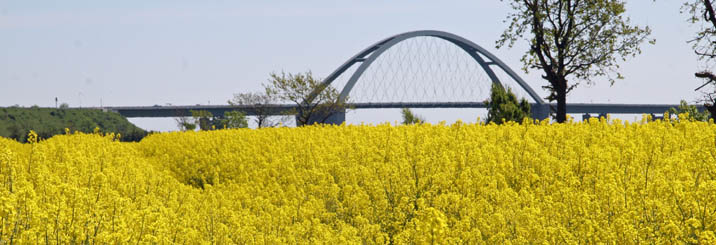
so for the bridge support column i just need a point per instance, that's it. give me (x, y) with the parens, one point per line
(540, 111)
(336, 118)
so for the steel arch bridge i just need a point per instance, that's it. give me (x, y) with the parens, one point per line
(484, 58)
(367, 57)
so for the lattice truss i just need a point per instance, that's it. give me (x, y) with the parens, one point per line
(423, 69)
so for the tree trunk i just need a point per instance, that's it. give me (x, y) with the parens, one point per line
(260, 121)
(711, 104)
(711, 108)
(561, 90)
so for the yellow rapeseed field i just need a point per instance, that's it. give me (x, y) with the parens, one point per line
(573, 183)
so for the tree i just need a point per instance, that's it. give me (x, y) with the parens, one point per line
(503, 105)
(235, 119)
(702, 11)
(704, 44)
(410, 118)
(299, 89)
(203, 119)
(208, 121)
(260, 102)
(572, 39)
(694, 113)
(184, 122)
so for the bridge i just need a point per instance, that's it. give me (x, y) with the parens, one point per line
(420, 69)
(280, 109)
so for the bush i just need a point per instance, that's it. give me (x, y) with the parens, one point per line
(693, 113)
(503, 106)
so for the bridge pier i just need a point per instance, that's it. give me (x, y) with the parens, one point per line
(336, 118)
(540, 111)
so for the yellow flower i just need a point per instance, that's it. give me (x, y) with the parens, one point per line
(601, 181)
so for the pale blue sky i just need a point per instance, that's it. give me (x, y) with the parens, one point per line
(196, 52)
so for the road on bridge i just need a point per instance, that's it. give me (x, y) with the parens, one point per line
(281, 109)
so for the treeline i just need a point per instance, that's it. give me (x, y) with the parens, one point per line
(16, 122)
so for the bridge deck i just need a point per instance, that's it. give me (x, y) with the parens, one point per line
(279, 109)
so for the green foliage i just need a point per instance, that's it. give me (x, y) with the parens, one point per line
(410, 118)
(16, 122)
(576, 40)
(202, 118)
(205, 120)
(299, 89)
(503, 106)
(261, 103)
(235, 119)
(187, 126)
(693, 112)
(185, 122)
(208, 121)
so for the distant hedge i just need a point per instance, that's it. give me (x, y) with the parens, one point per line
(16, 122)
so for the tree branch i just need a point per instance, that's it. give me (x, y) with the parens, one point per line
(709, 13)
